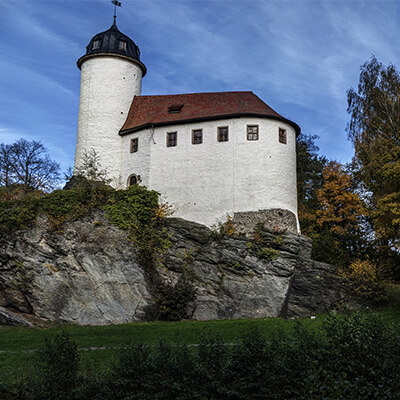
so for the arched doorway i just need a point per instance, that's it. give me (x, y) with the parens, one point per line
(133, 180)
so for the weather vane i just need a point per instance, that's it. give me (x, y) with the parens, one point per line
(116, 4)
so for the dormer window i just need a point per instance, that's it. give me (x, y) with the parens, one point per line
(96, 44)
(175, 108)
(122, 45)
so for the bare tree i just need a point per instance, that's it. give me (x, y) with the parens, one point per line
(27, 163)
(6, 165)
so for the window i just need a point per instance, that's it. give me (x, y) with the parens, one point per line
(172, 139)
(197, 136)
(282, 135)
(134, 145)
(122, 45)
(96, 44)
(222, 134)
(175, 108)
(252, 132)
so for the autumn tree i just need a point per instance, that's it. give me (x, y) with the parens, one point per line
(374, 130)
(28, 165)
(339, 217)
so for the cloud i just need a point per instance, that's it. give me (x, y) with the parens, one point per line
(9, 135)
(299, 56)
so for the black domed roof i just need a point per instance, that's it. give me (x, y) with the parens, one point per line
(113, 42)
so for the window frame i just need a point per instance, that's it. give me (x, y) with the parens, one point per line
(134, 145)
(199, 139)
(174, 142)
(250, 135)
(220, 136)
(96, 44)
(282, 135)
(122, 45)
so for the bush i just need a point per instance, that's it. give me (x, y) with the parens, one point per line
(59, 206)
(363, 278)
(172, 301)
(57, 373)
(354, 356)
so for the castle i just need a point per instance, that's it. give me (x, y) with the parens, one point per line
(208, 154)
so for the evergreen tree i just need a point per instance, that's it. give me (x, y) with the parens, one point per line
(309, 179)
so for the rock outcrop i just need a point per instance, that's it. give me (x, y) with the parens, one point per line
(91, 273)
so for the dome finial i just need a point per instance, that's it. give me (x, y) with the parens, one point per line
(116, 4)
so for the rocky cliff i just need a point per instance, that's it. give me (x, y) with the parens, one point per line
(92, 273)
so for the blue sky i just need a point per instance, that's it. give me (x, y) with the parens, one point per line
(299, 56)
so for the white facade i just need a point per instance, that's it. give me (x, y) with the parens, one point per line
(108, 85)
(203, 182)
(206, 182)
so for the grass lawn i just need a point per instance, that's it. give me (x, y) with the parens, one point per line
(15, 342)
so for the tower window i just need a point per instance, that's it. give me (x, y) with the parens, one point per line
(134, 145)
(96, 44)
(223, 134)
(197, 136)
(252, 132)
(122, 45)
(172, 139)
(282, 136)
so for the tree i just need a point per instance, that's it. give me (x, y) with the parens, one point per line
(309, 179)
(90, 168)
(374, 129)
(340, 207)
(28, 164)
(6, 165)
(339, 216)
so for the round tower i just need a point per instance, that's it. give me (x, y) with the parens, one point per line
(111, 76)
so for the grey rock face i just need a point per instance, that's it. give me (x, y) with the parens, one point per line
(88, 275)
(91, 274)
(8, 318)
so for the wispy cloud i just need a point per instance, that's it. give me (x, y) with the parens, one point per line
(299, 56)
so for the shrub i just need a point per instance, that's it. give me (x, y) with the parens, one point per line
(57, 373)
(354, 356)
(227, 228)
(363, 278)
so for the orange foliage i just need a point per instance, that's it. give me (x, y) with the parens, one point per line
(341, 208)
(162, 211)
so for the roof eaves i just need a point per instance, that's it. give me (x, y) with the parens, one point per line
(209, 118)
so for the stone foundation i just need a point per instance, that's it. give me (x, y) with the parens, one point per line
(276, 219)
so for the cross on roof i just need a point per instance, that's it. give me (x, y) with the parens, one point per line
(116, 4)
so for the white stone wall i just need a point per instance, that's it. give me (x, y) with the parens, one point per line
(136, 163)
(108, 85)
(205, 182)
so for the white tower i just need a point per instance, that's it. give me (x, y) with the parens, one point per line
(111, 76)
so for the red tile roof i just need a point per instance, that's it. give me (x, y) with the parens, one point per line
(147, 111)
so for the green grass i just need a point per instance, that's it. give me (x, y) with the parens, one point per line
(17, 340)
(21, 339)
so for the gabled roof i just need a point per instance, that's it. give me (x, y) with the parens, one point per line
(147, 111)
